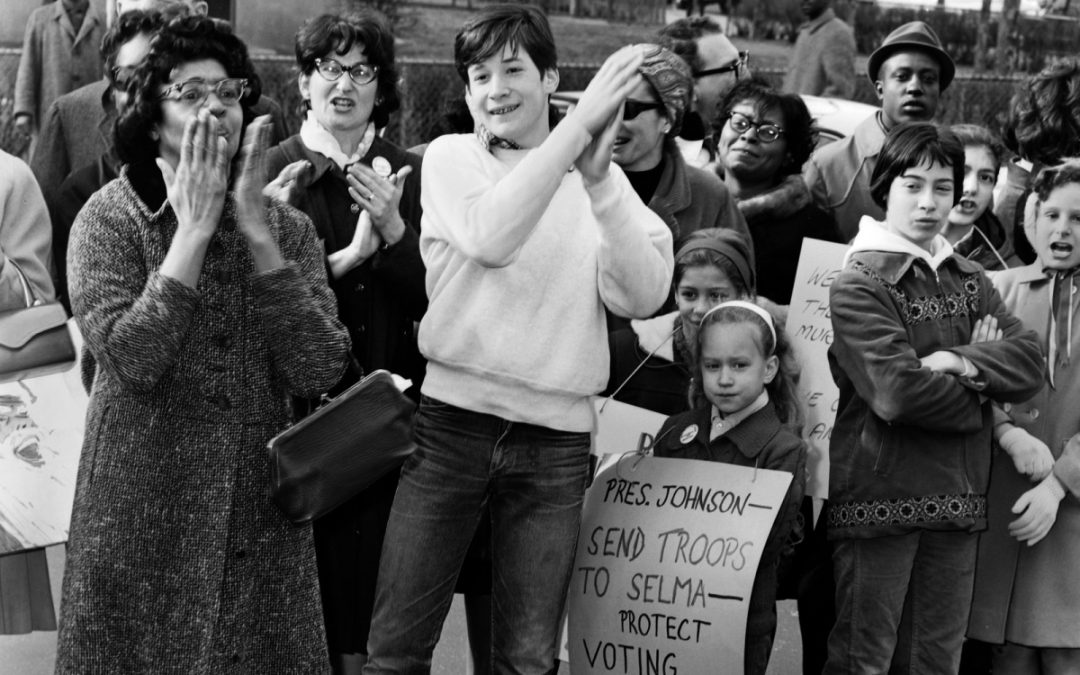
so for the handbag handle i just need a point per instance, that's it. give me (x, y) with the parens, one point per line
(28, 291)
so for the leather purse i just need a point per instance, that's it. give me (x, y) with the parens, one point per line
(34, 340)
(343, 447)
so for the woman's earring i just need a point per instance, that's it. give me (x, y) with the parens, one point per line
(378, 100)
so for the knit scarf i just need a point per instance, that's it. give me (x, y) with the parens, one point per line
(318, 139)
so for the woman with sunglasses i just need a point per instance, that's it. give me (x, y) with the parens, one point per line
(203, 307)
(688, 199)
(763, 138)
(358, 190)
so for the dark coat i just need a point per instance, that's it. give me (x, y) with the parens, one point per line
(660, 384)
(178, 560)
(378, 302)
(911, 448)
(76, 131)
(759, 441)
(779, 220)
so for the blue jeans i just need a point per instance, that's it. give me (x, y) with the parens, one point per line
(929, 572)
(533, 480)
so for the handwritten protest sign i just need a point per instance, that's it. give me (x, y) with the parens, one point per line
(809, 327)
(666, 559)
(41, 433)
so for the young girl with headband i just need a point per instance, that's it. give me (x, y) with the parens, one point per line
(650, 360)
(745, 412)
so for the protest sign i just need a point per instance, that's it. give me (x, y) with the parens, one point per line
(666, 560)
(809, 328)
(621, 427)
(41, 433)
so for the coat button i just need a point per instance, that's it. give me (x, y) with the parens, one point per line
(359, 288)
(1034, 412)
(224, 276)
(221, 401)
(241, 554)
(354, 207)
(224, 341)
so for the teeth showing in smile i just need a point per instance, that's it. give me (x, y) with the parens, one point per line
(503, 110)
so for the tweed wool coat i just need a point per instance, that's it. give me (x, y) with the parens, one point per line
(178, 560)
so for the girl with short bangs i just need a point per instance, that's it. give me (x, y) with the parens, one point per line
(922, 345)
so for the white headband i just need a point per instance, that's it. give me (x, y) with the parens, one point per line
(760, 311)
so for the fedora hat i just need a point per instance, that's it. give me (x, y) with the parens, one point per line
(912, 36)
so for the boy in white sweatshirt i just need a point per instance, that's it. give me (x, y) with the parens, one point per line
(528, 234)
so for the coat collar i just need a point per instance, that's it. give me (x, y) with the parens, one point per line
(782, 201)
(89, 21)
(673, 191)
(1031, 274)
(750, 437)
(869, 136)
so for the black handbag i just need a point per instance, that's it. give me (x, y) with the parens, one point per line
(34, 340)
(339, 450)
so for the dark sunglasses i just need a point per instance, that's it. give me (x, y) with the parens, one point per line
(735, 66)
(632, 108)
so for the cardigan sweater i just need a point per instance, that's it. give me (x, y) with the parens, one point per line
(910, 448)
(517, 289)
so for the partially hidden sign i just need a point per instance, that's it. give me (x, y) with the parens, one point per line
(809, 327)
(621, 427)
(666, 559)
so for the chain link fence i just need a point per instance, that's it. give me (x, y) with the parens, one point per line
(428, 86)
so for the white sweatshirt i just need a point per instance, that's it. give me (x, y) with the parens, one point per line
(517, 284)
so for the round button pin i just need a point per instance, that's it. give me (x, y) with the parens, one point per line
(381, 166)
(688, 434)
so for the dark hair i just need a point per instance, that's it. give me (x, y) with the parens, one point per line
(328, 33)
(1053, 177)
(681, 37)
(800, 131)
(975, 135)
(127, 26)
(180, 41)
(517, 26)
(734, 244)
(782, 389)
(1044, 118)
(913, 144)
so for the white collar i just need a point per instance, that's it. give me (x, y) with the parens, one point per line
(318, 138)
(721, 424)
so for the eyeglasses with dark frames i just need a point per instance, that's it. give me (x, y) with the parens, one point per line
(735, 66)
(632, 108)
(195, 91)
(766, 131)
(360, 73)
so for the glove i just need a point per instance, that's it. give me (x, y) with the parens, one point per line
(1039, 507)
(1029, 454)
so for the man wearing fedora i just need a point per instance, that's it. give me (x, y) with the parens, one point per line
(909, 71)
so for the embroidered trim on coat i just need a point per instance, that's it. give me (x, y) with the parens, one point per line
(907, 511)
(963, 303)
